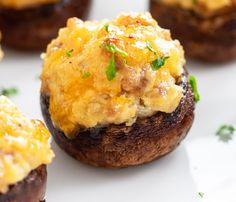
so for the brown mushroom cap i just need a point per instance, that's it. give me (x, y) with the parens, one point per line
(31, 189)
(117, 146)
(33, 28)
(210, 39)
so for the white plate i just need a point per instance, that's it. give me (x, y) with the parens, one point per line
(200, 164)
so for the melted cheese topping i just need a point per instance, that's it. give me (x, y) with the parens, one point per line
(23, 145)
(201, 5)
(20, 4)
(137, 90)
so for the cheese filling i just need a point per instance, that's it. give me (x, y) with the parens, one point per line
(23, 145)
(76, 72)
(199, 6)
(20, 4)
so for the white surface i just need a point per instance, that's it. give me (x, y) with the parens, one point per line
(200, 164)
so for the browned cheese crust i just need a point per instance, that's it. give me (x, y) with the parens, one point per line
(34, 28)
(209, 39)
(117, 146)
(31, 189)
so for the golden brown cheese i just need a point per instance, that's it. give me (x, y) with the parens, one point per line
(206, 7)
(23, 145)
(20, 4)
(74, 73)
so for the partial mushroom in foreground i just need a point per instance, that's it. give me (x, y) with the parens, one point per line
(31, 25)
(116, 93)
(205, 28)
(24, 154)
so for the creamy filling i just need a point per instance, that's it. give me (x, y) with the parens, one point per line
(76, 67)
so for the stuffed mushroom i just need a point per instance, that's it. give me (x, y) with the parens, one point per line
(31, 24)
(24, 153)
(116, 93)
(206, 28)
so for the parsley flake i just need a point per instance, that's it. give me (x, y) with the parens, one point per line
(86, 75)
(158, 63)
(69, 53)
(149, 47)
(9, 92)
(111, 68)
(106, 27)
(113, 49)
(201, 194)
(226, 132)
(193, 83)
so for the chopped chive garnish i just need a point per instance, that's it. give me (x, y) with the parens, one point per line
(158, 63)
(193, 83)
(226, 132)
(106, 27)
(86, 75)
(201, 194)
(113, 49)
(111, 68)
(149, 47)
(69, 53)
(9, 92)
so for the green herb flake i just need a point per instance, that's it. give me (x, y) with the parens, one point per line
(193, 83)
(69, 53)
(149, 47)
(106, 27)
(86, 75)
(110, 47)
(194, 1)
(226, 132)
(111, 68)
(158, 63)
(9, 92)
(201, 194)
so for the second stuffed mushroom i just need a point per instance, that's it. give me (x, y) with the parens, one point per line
(31, 25)
(205, 28)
